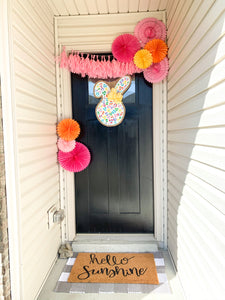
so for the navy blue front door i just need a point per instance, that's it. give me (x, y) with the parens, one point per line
(115, 193)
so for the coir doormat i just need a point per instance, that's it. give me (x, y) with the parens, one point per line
(114, 268)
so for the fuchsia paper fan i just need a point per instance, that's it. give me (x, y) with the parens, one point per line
(124, 47)
(149, 29)
(76, 160)
(66, 146)
(157, 72)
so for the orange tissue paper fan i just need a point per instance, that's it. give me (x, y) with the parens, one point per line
(158, 49)
(68, 129)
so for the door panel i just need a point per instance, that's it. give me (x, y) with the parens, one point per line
(98, 185)
(115, 193)
(128, 166)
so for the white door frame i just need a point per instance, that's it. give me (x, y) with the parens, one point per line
(70, 32)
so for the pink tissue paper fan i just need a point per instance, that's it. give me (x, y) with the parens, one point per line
(66, 146)
(124, 47)
(149, 29)
(157, 72)
(76, 160)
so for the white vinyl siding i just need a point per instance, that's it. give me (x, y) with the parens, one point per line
(75, 34)
(36, 118)
(196, 145)
(94, 7)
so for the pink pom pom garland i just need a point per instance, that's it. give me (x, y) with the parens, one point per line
(103, 68)
(64, 59)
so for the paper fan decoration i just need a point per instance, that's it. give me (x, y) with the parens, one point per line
(132, 53)
(158, 49)
(149, 29)
(76, 160)
(124, 47)
(66, 146)
(157, 72)
(68, 129)
(143, 59)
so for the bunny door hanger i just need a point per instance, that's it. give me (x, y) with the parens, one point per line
(110, 110)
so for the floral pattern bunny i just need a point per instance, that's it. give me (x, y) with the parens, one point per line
(110, 110)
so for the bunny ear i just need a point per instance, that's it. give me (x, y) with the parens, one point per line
(101, 89)
(123, 84)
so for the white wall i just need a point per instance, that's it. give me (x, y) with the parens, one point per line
(33, 89)
(196, 164)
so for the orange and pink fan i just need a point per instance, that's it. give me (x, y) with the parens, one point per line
(72, 156)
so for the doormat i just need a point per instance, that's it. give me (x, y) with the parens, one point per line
(63, 286)
(136, 268)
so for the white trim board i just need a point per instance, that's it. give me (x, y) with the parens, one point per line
(95, 34)
(115, 243)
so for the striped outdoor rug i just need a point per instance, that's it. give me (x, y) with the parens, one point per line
(63, 286)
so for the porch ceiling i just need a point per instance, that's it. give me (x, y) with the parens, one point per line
(89, 7)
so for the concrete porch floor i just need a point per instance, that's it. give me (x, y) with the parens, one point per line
(176, 289)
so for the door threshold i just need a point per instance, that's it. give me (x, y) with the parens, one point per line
(115, 243)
